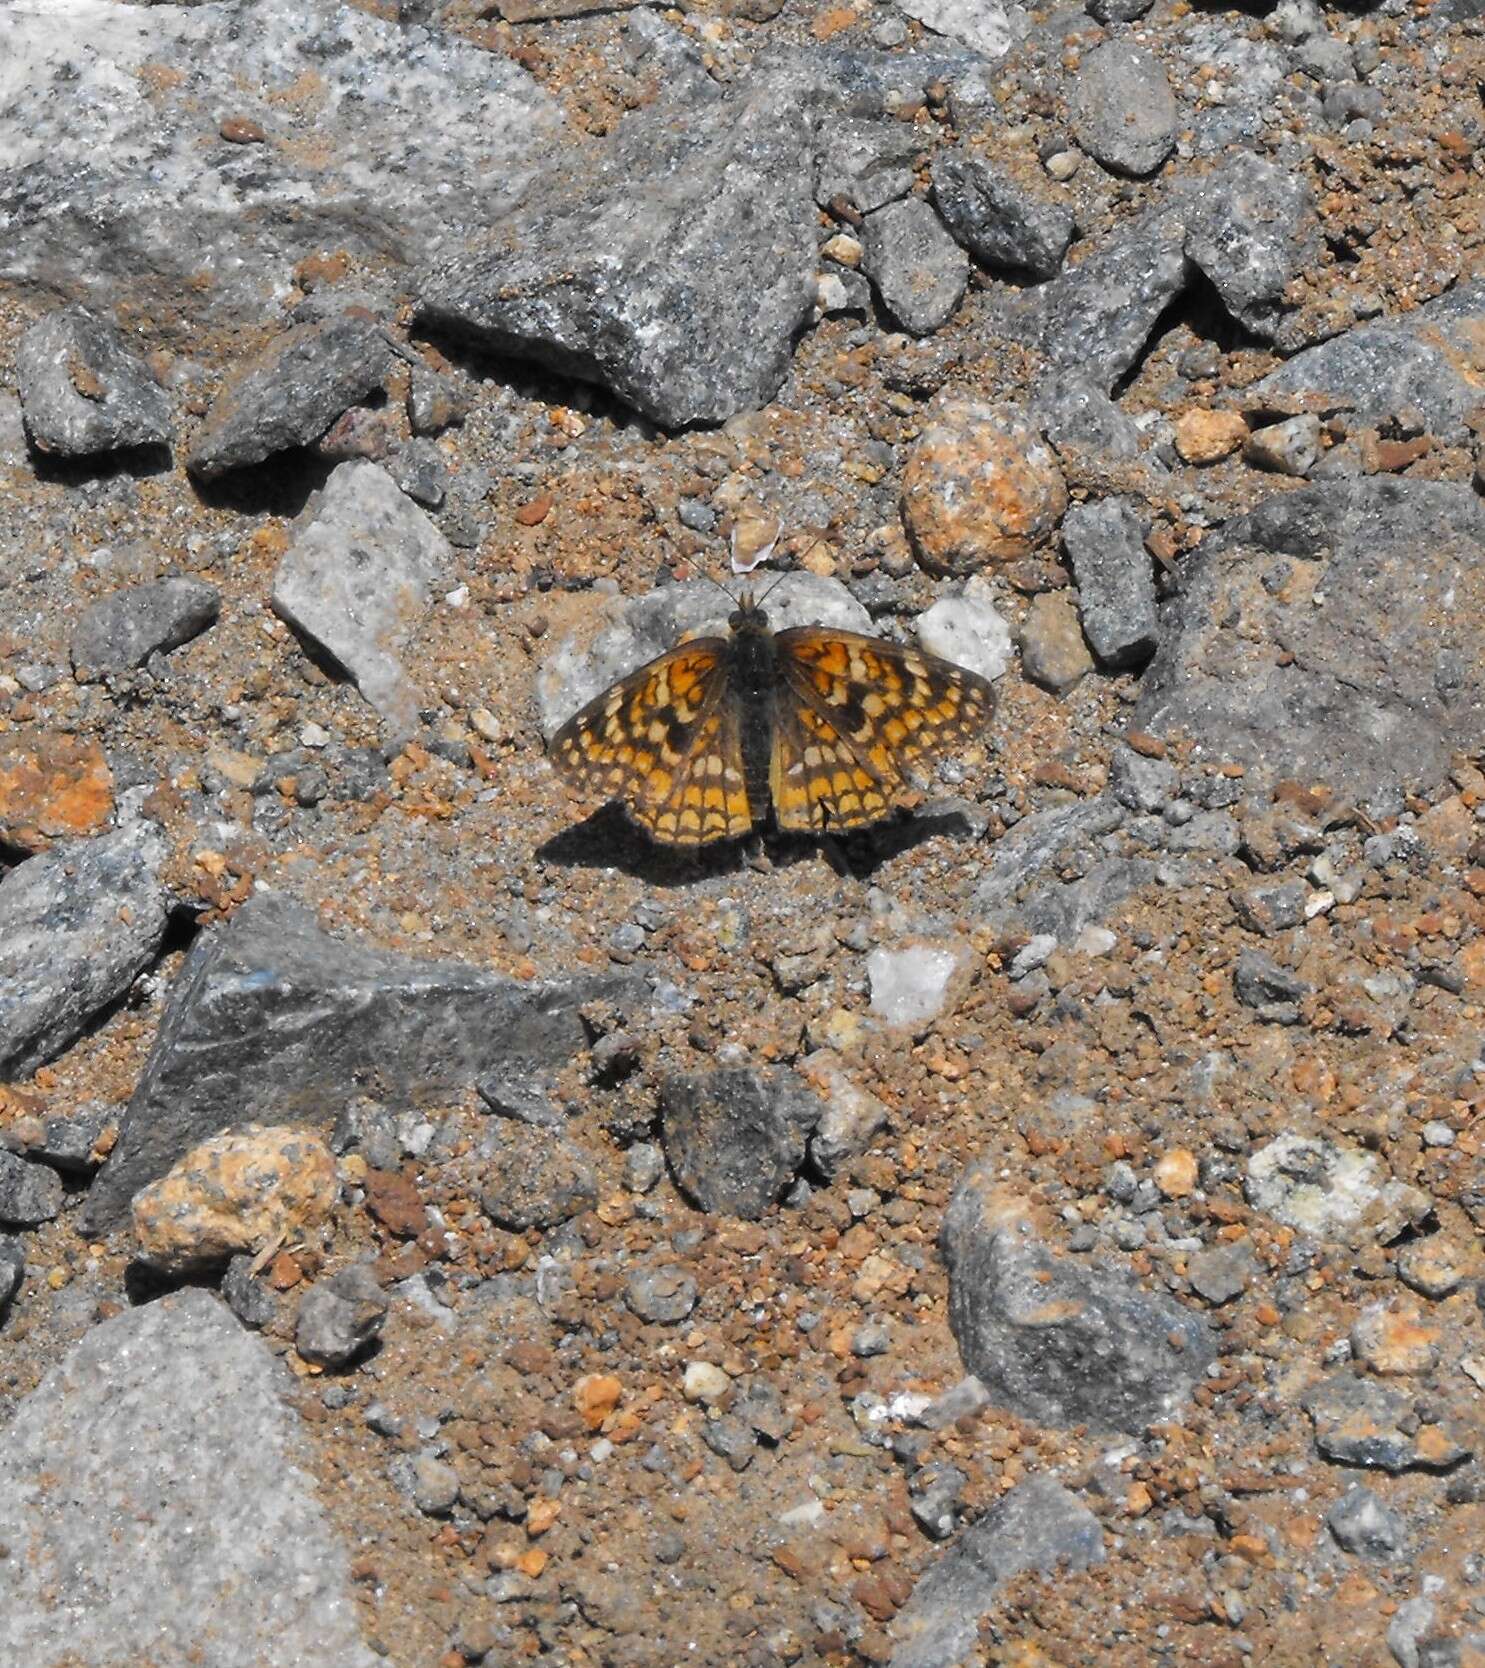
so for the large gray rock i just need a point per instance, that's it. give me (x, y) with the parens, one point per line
(273, 1021)
(1038, 1526)
(1058, 1341)
(1422, 358)
(123, 629)
(674, 266)
(78, 924)
(381, 139)
(357, 579)
(289, 393)
(918, 269)
(82, 390)
(1006, 220)
(1123, 111)
(735, 1137)
(156, 1506)
(1331, 635)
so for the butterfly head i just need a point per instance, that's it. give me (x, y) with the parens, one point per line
(747, 616)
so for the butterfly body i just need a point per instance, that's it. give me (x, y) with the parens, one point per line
(815, 722)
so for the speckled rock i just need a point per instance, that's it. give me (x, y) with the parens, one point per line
(534, 1178)
(82, 390)
(155, 1490)
(239, 1192)
(1360, 1422)
(918, 269)
(1331, 1190)
(736, 1137)
(1123, 111)
(980, 486)
(340, 1317)
(124, 629)
(1105, 544)
(52, 786)
(29, 1193)
(1203, 436)
(1007, 219)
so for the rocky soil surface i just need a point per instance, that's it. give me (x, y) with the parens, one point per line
(439, 1227)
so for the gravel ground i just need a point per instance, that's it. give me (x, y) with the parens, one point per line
(1043, 1228)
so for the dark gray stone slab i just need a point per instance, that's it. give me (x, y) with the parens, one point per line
(1055, 1340)
(1105, 542)
(1360, 1422)
(736, 1137)
(1123, 111)
(124, 629)
(1005, 220)
(290, 393)
(1038, 1526)
(78, 924)
(82, 390)
(156, 1505)
(1330, 636)
(918, 269)
(674, 266)
(29, 1193)
(273, 1021)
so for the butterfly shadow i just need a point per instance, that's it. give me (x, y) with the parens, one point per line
(609, 840)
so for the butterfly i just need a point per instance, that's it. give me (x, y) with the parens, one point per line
(817, 722)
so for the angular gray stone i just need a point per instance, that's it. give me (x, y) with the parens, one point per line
(357, 579)
(289, 393)
(664, 1294)
(533, 1178)
(1141, 784)
(1105, 542)
(1054, 1340)
(12, 1271)
(918, 269)
(1095, 318)
(121, 191)
(29, 1193)
(1329, 636)
(1037, 1526)
(1360, 1422)
(273, 1021)
(1421, 358)
(339, 1317)
(82, 390)
(78, 924)
(1274, 991)
(674, 265)
(1288, 448)
(1252, 227)
(123, 629)
(735, 1137)
(866, 163)
(1123, 111)
(1220, 1273)
(1078, 418)
(1359, 1522)
(988, 26)
(1007, 221)
(1116, 11)
(157, 1505)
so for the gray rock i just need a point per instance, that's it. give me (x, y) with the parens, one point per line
(339, 1317)
(66, 1143)
(78, 924)
(1077, 418)
(1376, 369)
(665, 1294)
(435, 402)
(1271, 906)
(1006, 220)
(674, 266)
(1093, 320)
(29, 1193)
(1058, 1341)
(987, 26)
(12, 1271)
(431, 1485)
(357, 580)
(1037, 1526)
(1288, 448)
(290, 393)
(934, 1499)
(1360, 1422)
(644, 1164)
(1331, 1190)
(533, 1178)
(1141, 784)
(82, 390)
(1116, 11)
(122, 192)
(123, 629)
(1362, 670)
(1251, 227)
(153, 1489)
(735, 1137)
(865, 163)
(513, 1094)
(918, 269)
(850, 1118)
(273, 1021)
(1221, 1272)
(1105, 542)
(421, 472)
(249, 1296)
(1123, 111)
(1273, 990)
(1360, 1523)
(732, 1439)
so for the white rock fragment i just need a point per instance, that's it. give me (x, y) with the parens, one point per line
(968, 630)
(910, 986)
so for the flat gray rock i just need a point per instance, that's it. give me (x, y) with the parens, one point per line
(1005, 220)
(918, 269)
(82, 390)
(866, 163)
(674, 266)
(1054, 1339)
(1105, 543)
(1422, 358)
(290, 393)
(1123, 111)
(378, 138)
(156, 1507)
(735, 1137)
(357, 580)
(1037, 1526)
(78, 924)
(273, 1021)
(1330, 636)
(123, 629)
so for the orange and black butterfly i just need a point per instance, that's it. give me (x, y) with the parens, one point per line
(815, 721)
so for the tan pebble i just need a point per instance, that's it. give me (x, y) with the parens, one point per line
(1176, 1173)
(1208, 436)
(1394, 1341)
(595, 1396)
(705, 1382)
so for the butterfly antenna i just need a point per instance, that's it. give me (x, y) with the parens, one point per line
(720, 586)
(778, 579)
